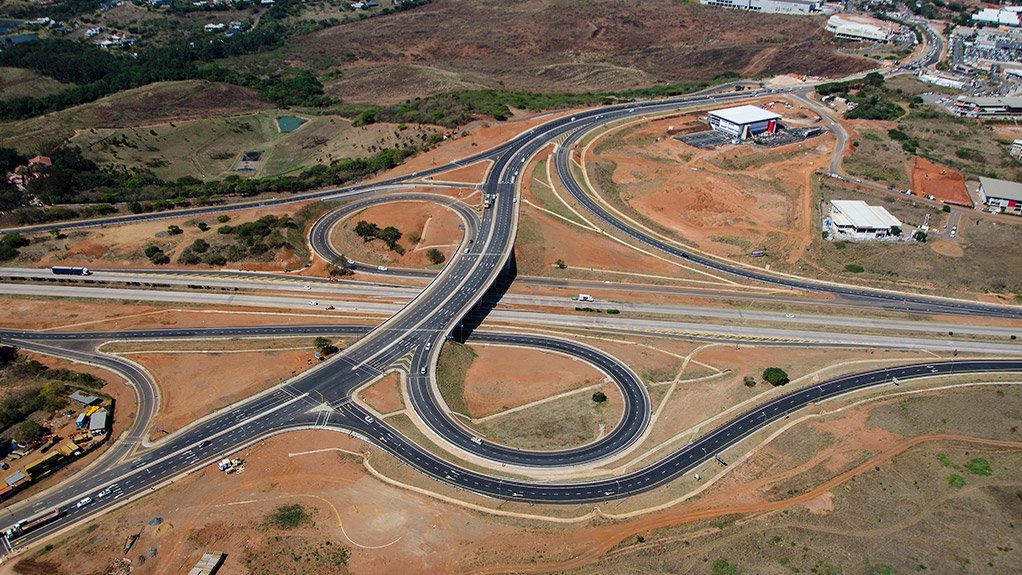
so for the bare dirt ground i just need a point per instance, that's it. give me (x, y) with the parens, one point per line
(855, 491)
(471, 174)
(384, 395)
(48, 314)
(503, 378)
(546, 45)
(423, 225)
(473, 139)
(195, 384)
(123, 246)
(726, 201)
(941, 182)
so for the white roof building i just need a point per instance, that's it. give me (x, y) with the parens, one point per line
(744, 121)
(859, 220)
(856, 27)
(1008, 16)
(1001, 195)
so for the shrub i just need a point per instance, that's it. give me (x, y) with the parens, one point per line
(174, 230)
(946, 209)
(289, 516)
(225, 230)
(854, 268)
(223, 218)
(749, 381)
(599, 397)
(435, 256)
(775, 376)
(561, 265)
(203, 226)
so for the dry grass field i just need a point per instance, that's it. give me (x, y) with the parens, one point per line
(561, 46)
(21, 83)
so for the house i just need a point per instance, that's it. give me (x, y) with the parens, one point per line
(1001, 195)
(855, 219)
(214, 27)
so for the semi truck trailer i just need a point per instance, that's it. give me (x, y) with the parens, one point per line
(69, 271)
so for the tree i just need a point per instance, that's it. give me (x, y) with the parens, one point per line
(8, 354)
(599, 397)
(390, 235)
(775, 376)
(895, 231)
(919, 236)
(366, 230)
(152, 251)
(28, 432)
(174, 230)
(435, 256)
(320, 343)
(561, 265)
(199, 246)
(203, 226)
(749, 381)
(223, 218)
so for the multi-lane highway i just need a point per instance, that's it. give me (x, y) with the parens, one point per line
(412, 338)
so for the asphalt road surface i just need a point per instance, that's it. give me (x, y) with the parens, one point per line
(321, 398)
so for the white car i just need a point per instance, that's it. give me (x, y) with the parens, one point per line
(477, 441)
(306, 287)
(382, 268)
(313, 302)
(350, 262)
(789, 315)
(105, 492)
(83, 502)
(422, 371)
(368, 419)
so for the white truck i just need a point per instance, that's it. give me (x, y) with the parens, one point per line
(585, 297)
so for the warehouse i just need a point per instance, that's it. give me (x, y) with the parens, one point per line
(855, 27)
(857, 220)
(1001, 195)
(975, 107)
(742, 122)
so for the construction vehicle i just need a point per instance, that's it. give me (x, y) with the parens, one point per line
(230, 466)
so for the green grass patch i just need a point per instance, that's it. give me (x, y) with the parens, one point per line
(956, 481)
(723, 567)
(455, 360)
(979, 466)
(854, 268)
(289, 517)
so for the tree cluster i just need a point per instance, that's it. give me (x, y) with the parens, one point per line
(369, 231)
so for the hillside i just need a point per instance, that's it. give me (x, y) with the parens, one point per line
(560, 46)
(148, 105)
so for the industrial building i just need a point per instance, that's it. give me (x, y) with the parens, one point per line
(855, 219)
(1001, 195)
(1007, 16)
(942, 80)
(743, 122)
(856, 27)
(97, 423)
(975, 107)
(796, 7)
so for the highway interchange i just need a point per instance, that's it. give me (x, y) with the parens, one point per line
(413, 336)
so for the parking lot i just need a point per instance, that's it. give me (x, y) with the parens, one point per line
(705, 140)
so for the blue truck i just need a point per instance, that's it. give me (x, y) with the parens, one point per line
(70, 271)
